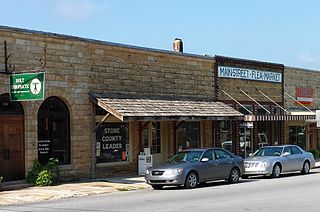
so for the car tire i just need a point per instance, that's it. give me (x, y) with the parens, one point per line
(276, 171)
(234, 176)
(157, 187)
(305, 168)
(192, 180)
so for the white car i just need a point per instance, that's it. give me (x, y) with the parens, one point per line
(274, 160)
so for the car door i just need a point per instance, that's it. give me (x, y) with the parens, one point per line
(208, 170)
(225, 163)
(287, 160)
(298, 158)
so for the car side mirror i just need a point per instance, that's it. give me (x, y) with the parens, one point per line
(250, 154)
(204, 160)
(286, 154)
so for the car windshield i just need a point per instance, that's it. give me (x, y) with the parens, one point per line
(186, 156)
(268, 151)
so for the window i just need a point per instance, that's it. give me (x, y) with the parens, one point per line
(151, 137)
(112, 142)
(189, 135)
(295, 150)
(263, 127)
(208, 154)
(226, 135)
(297, 136)
(245, 134)
(54, 131)
(287, 150)
(220, 154)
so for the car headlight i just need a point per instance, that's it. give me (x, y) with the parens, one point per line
(264, 164)
(173, 172)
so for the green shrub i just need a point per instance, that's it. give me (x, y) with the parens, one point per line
(315, 152)
(40, 175)
(44, 178)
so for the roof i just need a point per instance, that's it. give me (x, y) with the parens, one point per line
(62, 36)
(125, 108)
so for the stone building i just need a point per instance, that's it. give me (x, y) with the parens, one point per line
(106, 103)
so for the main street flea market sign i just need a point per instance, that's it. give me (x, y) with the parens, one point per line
(26, 87)
(249, 74)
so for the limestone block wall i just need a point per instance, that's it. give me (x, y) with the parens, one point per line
(76, 66)
(298, 77)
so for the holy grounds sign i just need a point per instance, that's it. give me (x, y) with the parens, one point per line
(27, 86)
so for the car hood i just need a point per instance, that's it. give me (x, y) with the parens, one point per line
(260, 158)
(170, 165)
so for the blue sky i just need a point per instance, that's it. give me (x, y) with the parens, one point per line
(281, 31)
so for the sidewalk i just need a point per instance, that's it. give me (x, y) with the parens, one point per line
(75, 189)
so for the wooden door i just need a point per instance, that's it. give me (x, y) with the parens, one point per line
(11, 147)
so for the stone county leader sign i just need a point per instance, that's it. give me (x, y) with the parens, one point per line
(25, 87)
(249, 74)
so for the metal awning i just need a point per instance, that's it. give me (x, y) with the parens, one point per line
(279, 117)
(127, 107)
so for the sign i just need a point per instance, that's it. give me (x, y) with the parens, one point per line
(44, 150)
(305, 95)
(249, 74)
(318, 117)
(246, 124)
(26, 87)
(111, 141)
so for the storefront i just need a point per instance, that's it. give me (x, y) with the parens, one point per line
(256, 90)
(131, 123)
(302, 100)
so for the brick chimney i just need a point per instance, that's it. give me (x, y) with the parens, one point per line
(177, 45)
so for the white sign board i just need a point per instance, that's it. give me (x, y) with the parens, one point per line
(249, 74)
(318, 117)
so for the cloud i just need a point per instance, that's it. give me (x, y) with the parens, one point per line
(308, 57)
(76, 9)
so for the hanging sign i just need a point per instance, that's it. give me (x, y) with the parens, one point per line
(27, 87)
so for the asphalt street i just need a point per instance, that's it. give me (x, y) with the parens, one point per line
(293, 192)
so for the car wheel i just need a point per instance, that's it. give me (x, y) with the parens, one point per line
(192, 180)
(157, 187)
(276, 171)
(234, 176)
(305, 168)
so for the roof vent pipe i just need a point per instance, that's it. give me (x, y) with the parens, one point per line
(177, 45)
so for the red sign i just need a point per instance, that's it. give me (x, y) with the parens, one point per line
(305, 95)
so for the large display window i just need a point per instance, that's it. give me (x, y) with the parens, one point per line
(189, 135)
(112, 140)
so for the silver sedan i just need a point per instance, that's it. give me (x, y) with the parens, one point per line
(193, 166)
(274, 160)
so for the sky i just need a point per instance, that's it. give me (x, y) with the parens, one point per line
(279, 31)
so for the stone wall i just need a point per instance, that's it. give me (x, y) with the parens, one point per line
(298, 77)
